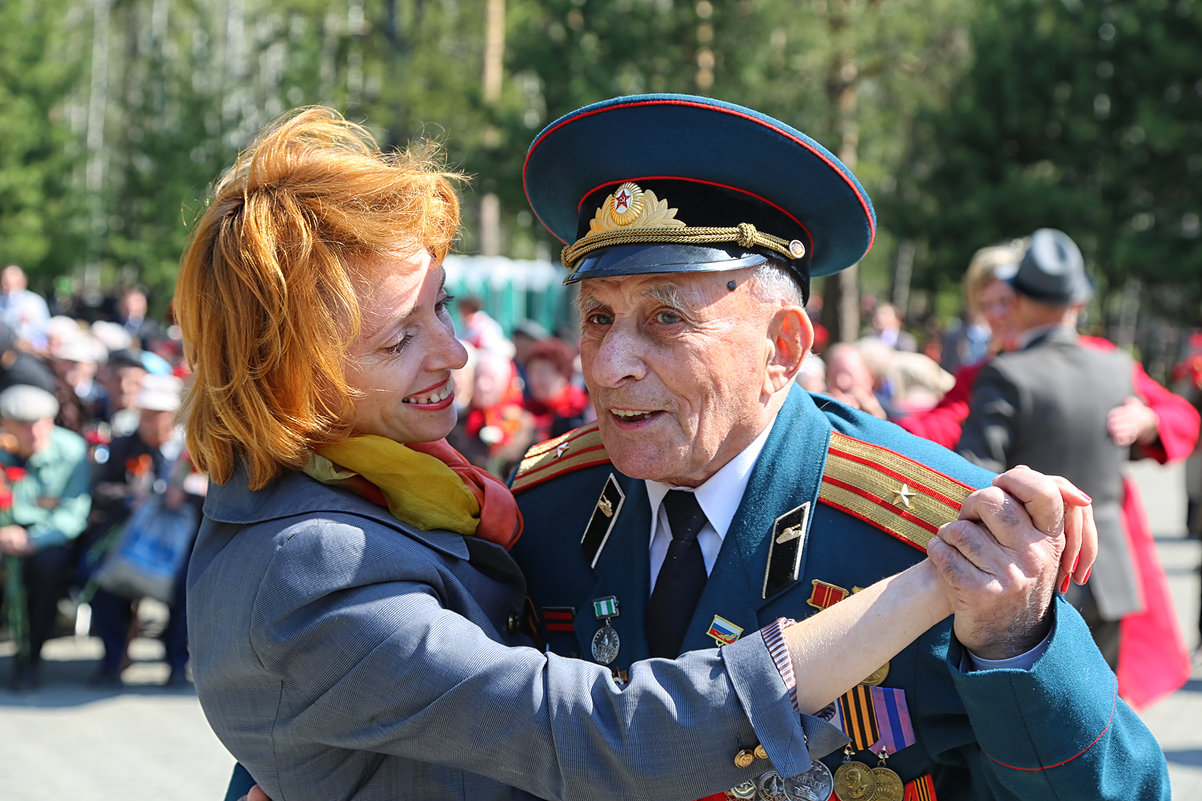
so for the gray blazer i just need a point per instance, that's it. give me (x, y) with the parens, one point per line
(339, 654)
(1045, 406)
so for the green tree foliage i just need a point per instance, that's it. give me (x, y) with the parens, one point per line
(1085, 116)
(116, 114)
(40, 214)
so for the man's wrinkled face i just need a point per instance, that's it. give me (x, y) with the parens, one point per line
(676, 366)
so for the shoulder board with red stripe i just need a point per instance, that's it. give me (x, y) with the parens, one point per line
(575, 450)
(898, 495)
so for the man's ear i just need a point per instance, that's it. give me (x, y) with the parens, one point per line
(791, 335)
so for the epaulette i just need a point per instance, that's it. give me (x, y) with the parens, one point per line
(898, 495)
(575, 450)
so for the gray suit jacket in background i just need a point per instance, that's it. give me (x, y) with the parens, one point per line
(339, 654)
(1045, 406)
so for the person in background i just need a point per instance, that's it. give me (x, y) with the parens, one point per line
(21, 309)
(526, 335)
(1187, 382)
(1058, 405)
(74, 358)
(121, 376)
(849, 380)
(150, 462)
(19, 366)
(693, 274)
(557, 403)
(46, 471)
(1154, 423)
(497, 429)
(132, 308)
(479, 329)
(970, 339)
(887, 327)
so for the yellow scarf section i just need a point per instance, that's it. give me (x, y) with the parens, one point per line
(419, 488)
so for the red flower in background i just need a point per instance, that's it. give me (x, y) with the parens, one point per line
(139, 466)
(11, 475)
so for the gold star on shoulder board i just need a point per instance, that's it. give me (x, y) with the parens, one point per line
(902, 496)
(563, 446)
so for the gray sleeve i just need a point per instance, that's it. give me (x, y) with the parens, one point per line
(385, 667)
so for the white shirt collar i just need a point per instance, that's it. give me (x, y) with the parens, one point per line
(719, 497)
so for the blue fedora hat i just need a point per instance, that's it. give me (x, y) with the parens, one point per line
(678, 183)
(1052, 270)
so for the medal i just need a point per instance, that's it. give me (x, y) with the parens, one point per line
(816, 784)
(771, 787)
(746, 790)
(854, 781)
(606, 642)
(889, 786)
(877, 676)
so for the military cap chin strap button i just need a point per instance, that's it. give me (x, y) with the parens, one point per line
(681, 578)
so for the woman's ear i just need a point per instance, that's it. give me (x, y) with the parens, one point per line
(790, 337)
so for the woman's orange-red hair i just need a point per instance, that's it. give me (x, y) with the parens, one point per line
(267, 297)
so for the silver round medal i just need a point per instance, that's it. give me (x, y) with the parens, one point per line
(606, 644)
(771, 787)
(816, 784)
(746, 790)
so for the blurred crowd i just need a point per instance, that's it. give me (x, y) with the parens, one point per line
(88, 409)
(88, 436)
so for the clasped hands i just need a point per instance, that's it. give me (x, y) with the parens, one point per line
(1013, 546)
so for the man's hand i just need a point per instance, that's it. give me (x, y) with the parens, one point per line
(1013, 546)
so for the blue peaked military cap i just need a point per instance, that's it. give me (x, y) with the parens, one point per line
(678, 183)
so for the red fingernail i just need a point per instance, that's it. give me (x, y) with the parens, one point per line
(1087, 498)
(1064, 584)
(1086, 577)
(1076, 562)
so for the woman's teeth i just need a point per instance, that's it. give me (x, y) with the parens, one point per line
(439, 394)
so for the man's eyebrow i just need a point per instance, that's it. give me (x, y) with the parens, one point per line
(588, 303)
(666, 293)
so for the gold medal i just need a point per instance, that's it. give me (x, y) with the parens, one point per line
(855, 781)
(877, 676)
(889, 785)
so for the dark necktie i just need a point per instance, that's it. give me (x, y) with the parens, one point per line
(681, 578)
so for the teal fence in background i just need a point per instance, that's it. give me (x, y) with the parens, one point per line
(513, 290)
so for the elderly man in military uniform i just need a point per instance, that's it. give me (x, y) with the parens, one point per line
(712, 495)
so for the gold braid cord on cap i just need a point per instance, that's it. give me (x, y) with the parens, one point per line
(632, 215)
